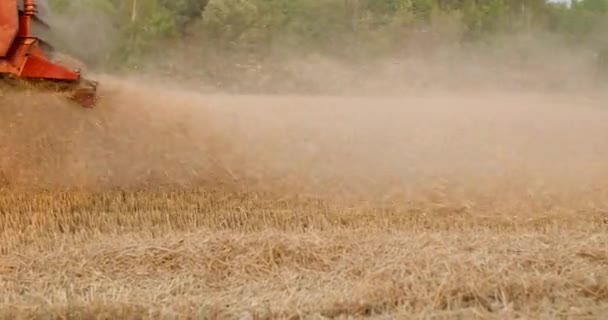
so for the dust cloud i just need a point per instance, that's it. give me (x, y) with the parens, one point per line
(150, 134)
(524, 114)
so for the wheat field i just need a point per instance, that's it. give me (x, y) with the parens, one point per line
(164, 204)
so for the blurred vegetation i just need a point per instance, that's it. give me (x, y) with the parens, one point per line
(250, 31)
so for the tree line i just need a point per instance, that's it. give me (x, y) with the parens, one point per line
(346, 29)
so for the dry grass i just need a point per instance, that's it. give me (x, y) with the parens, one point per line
(443, 207)
(332, 273)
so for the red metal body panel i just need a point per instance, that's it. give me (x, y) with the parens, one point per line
(9, 25)
(28, 61)
(37, 66)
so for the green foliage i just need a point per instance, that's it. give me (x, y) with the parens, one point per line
(59, 5)
(141, 24)
(343, 28)
(584, 18)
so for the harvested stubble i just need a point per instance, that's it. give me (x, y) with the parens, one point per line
(307, 212)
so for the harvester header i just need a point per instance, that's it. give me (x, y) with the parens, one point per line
(26, 58)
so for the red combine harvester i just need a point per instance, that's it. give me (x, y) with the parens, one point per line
(26, 59)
